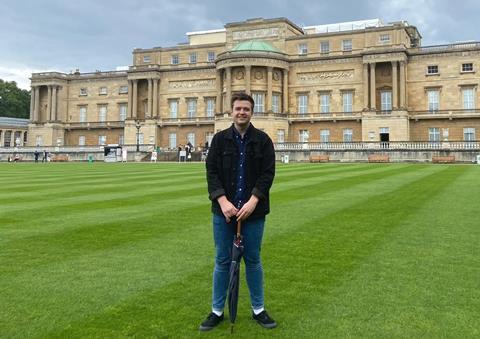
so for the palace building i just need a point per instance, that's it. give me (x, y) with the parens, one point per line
(347, 82)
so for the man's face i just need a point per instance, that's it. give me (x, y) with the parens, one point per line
(241, 112)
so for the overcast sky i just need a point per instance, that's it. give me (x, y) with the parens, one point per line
(62, 35)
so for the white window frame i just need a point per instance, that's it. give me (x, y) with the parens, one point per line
(81, 140)
(434, 134)
(347, 135)
(467, 67)
(191, 138)
(211, 56)
(468, 95)
(147, 59)
(385, 38)
(192, 58)
(280, 136)
(210, 107)
(209, 137)
(121, 139)
(191, 107)
(102, 140)
(175, 59)
(469, 134)
(82, 114)
(172, 140)
(303, 135)
(102, 113)
(324, 135)
(302, 102)
(432, 69)
(276, 103)
(173, 107)
(324, 102)
(347, 100)
(39, 140)
(433, 100)
(324, 47)
(122, 112)
(386, 101)
(347, 45)
(302, 49)
(123, 90)
(83, 92)
(259, 99)
(103, 90)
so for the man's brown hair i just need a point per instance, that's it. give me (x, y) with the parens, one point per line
(242, 96)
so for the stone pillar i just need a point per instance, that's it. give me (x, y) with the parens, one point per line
(49, 103)
(130, 99)
(54, 103)
(366, 106)
(228, 97)
(37, 104)
(285, 91)
(218, 88)
(268, 106)
(155, 98)
(394, 85)
(402, 84)
(373, 91)
(248, 79)
(32, 104)
(150, 99)
(135, 99)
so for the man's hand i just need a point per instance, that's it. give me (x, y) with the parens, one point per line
(227, 207)
(248, 208)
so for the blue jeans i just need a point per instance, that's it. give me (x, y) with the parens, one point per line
(223, 233)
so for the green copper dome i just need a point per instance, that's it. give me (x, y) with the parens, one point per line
(255, 46)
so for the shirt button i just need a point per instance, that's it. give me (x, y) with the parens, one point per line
(240, 189)
(240, 177)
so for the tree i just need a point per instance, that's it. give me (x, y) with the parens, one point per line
(14, 102)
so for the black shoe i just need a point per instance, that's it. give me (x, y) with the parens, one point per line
(264, 319)
(212, 321)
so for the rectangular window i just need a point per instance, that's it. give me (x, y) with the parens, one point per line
(173, 104)
(384, 38)
(432, 69)
(276, 103)
(193, 58)
(325, 103)
(324, 47)
(468, 98)
(280, 135)
(141, 139)
(347, 135)
(211, 56)
(146, 58)
(172, 140)
(468, 67)
(433, 100)
(210, 107)
(7, 138)
(324, 135)
(259, 99)
(102, 139)
(174, 60)
(347, 98)
(81, 140)
(347, 45)
(302, 49)
(83, 92)
(434, 134)
(39, 140)
(102, 91)
(121, 140)
(83, 114)
(123, 90)
(303, 135)
(191, 108)
(386, 101)
(469, 134)
(122, 112)
(191, 138)
(102, 113)
(302, 104)
(209, 137)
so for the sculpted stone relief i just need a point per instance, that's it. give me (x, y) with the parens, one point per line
(193, 84)
(256, 33)
(329, 75)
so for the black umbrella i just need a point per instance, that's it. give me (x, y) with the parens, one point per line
(233, 285)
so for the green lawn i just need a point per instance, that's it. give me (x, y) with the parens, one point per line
(350, 250)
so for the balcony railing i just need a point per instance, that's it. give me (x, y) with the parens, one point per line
(186, 121)
(325, 116)
(440, 48)
(376, 145)
(93, 125)
(453, 113)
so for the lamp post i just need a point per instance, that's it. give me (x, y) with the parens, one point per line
(137, 125)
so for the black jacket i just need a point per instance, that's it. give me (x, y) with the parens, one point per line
(222, 163)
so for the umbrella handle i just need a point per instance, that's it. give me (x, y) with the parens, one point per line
(239, 227)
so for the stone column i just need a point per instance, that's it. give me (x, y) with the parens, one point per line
(49, 103)
(54, 102)
(366, 106)
(135, 99)
(285, 91)
(218, 88)
(228, 97)
(402, 84)
(268, 106)
(130, 99)
(155, 98)
(32, 104)
(37, 104)
(248, 79)
(394, 85)
(373, 91)
(150, 99)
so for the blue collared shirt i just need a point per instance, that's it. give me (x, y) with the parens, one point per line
(241, 187)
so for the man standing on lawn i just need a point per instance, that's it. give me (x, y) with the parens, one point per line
(240, 171)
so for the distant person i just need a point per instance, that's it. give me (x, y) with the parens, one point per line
(36, 155)
(153, 157)
(45, 156)
(124, 154)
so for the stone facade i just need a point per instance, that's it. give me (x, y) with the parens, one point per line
(367, 83)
